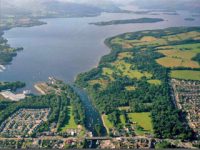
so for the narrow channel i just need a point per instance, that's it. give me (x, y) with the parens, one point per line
(93, 117)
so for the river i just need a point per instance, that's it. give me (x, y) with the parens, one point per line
(92, 115)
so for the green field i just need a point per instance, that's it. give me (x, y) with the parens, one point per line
(125, 69)
(122, 119)
(182, 36)
(108, 125)
(121, 68)
(125, 55)
(155, 82)
(185, 74)
(102, 82)
(126, 108)
(143, 120)
(71, 123)
(179, 55)
(130, 88)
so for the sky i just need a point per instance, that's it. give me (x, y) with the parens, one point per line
(33, 4)
(91, 2)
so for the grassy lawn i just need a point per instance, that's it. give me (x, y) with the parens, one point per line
(148, 39)
(71, 123)
(125, 69)
(136, 74)
(126, 108)
(194, 46)
(103, 83)
(130, 88)
(143, 120)
(155, 82)
(117, 41)
(108, 125)
(125, 55)
(122, 119)
(185, 74)
(107, 71)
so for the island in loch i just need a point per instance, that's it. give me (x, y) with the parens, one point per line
(128, 21)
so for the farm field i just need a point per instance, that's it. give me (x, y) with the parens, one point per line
(179, 55)
(185, 74)
(183, 36)
(143, 120)
(125, 55)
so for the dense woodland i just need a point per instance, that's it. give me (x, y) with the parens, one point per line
(197, 58)
(168, 121)
(6, 52)
(13, 86)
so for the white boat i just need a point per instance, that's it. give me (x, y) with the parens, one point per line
(2, 67)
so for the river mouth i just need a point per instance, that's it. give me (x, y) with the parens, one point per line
(65, 47)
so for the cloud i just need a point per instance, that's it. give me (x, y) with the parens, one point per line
(24, 4)
(29, 3)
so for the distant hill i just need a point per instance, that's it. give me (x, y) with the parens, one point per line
(190, 5)
(54, 8)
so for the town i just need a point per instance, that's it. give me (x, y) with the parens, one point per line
(20, 130)
(24, 122)
(187, 95)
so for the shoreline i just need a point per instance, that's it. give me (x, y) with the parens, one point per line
(32, 23)
(39, 89)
